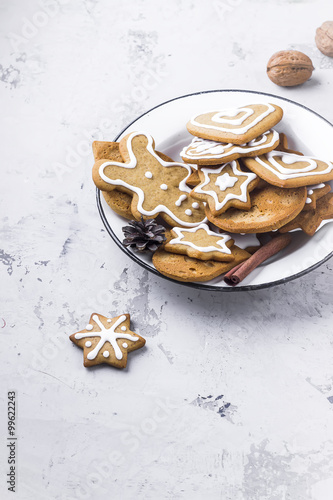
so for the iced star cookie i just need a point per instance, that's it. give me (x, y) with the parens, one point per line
(235, 125)
(107, 340)
(315, 192)
(157, 186)
(200, 243)
(224, 187)
(290, 170)
(205, 152)
(309, 221)
(184, 268)
(272, 207)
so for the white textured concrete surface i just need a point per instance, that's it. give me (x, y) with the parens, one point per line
(232, 397)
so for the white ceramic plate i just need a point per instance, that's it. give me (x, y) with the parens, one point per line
(306, 131)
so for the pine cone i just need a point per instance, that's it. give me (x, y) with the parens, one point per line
(144, 235)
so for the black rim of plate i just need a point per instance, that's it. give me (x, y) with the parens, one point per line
(198, 285)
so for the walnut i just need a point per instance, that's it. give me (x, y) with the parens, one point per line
(289, 67)
(324, 38)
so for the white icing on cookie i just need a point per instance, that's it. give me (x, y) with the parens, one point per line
(229, 116)
(181, 198)
(206, 149)
(89, 327)
(225, 181)
(125, 345)
(221, 241)
(140, 193)
(285, 173)
(106, 335)
(195, 205)
(148, 174)
(88, 343)
(249, 177)
(188, 212)
(164, 187)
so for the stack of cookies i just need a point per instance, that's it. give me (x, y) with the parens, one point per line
(238, 177)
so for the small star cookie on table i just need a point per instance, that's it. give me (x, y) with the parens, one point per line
(107, 340)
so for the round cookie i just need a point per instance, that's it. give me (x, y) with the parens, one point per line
(272, 207)
(184, 268)
(236, 125)
(205, 152)
(290, 170)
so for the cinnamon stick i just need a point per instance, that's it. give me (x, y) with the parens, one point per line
(239, 272)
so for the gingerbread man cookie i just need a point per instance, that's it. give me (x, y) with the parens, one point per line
(157, 186)
(235, 125)
(224, 187)
(107, 340)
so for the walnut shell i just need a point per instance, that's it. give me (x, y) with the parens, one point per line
(289, 67)
(324, 38)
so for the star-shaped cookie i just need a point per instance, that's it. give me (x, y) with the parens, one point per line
(310, 220)
(157, 186)
(201, 243)
(224, 187)
(107, 340)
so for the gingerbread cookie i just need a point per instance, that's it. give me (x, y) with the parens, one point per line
(310, 220)
(157, 186)
(205, 152)
(315, 192)
(107, 340)
(235, 125)
(200, 243)
(290, 170)
(283, 145)
(224, 187)
(272, 207)
(184, 268)
(119, 201)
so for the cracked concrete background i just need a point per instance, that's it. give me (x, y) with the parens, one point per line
(231, 398)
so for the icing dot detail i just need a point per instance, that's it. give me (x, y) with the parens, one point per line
(106, 354)
(188, 211)
(89, 327)
(195, 205)
(148, 174)
(109, 320)
(125, 345)
(88, 343)
(123, 328)
(164, 187)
